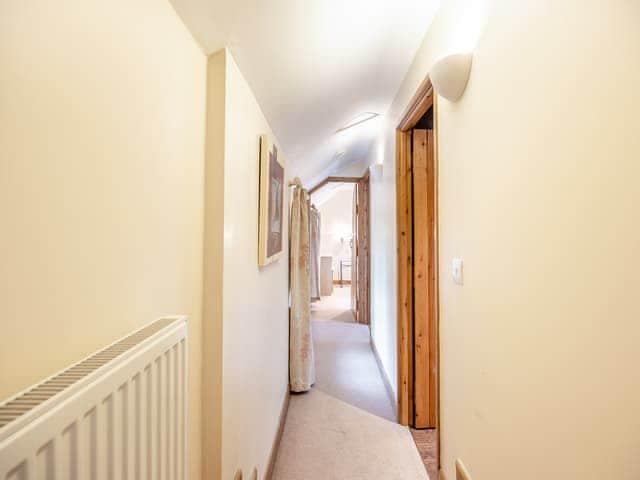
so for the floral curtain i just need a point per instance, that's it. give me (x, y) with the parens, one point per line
(314, 253)
(301, 359)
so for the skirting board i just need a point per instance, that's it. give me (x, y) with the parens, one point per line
(276, 441)
(387, 383)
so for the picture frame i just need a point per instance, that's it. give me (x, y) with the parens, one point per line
(271, 203)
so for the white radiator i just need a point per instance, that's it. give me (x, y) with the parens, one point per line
(118, 414)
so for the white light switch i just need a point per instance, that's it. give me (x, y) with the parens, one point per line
(456, 270)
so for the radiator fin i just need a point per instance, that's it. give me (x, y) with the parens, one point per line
(42, 392)
(102, 418)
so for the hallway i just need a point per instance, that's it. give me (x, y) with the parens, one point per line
(344, 428)
(180, 179)
(346, 366)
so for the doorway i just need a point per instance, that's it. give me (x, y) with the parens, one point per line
(351, 270)
(418, 344)
(334, 209)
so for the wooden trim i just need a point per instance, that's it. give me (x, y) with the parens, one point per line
(423, 99)
(461, 472)
(385, 378)
(432, 281)
(353, 297)
(363, 257)
(436, 248)
(361, 271)
(419, 105)
(342, 282)
(423, 281)
(276, 441)
(334, 180)
(404, 217)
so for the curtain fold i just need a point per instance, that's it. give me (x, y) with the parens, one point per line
(314, 253)
(301, 358)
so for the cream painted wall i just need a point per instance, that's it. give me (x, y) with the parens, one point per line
(213, 269)
(383, 265)
(538, 184)
(252, 379)
(102, 109)
(336, 217)
(256, 332)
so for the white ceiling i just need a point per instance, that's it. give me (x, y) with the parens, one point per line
(314, 65)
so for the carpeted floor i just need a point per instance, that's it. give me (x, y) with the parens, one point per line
(336, 307)
(327, 439)
(346, 367)
(344, 428)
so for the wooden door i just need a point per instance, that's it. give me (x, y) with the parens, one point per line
(424, 281)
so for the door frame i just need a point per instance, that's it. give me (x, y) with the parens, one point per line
(363, 251)
(362, 245)
(422, 101)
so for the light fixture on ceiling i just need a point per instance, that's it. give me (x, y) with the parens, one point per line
(363, 117)
(339, 154)
(449, 75)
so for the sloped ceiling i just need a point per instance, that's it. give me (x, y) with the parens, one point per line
(330, 190)
(314, 65)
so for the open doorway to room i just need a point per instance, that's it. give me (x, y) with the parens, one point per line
(335, 205)
(418, 338)
(342, 205)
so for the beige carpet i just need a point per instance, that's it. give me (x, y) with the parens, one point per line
(327, 439)
(339, 430)
(336, 307)
(346, 367)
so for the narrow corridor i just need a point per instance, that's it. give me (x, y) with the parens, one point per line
(180, 179)
(344, 428)
(346, 367)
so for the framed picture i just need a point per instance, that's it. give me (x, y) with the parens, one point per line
(271, 224)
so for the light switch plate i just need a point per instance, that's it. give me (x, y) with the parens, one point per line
(456, 270)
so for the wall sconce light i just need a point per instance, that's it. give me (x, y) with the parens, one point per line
(449, 75)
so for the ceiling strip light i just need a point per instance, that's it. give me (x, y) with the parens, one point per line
(363, 117)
